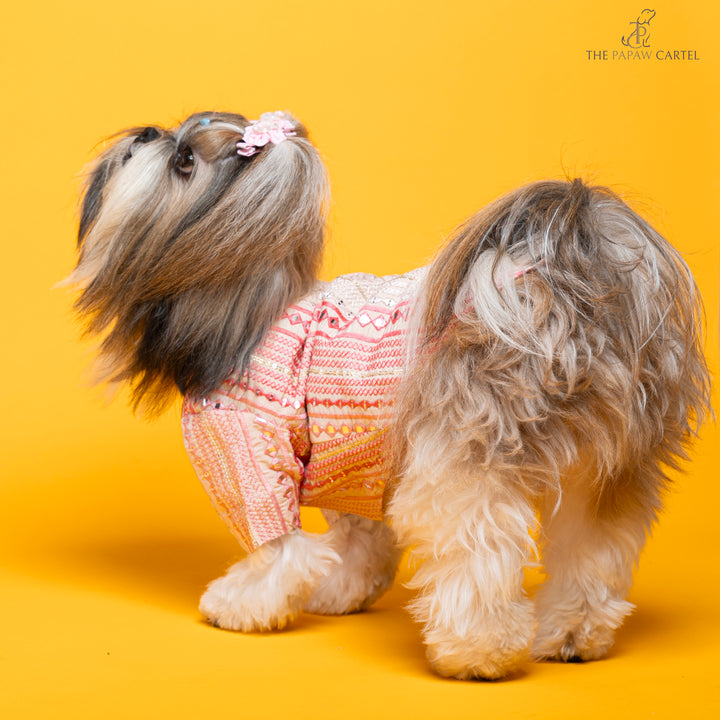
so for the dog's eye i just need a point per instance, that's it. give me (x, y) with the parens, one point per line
(184, 160)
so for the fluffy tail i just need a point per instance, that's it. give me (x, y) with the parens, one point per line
(189, 250)
(554, 319)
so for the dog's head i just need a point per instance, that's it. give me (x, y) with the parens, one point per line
(191, 242)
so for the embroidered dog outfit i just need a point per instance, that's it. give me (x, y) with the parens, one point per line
(305, 425)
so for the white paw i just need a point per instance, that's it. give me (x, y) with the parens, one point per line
(234, 603)
(586, 634)
(347, 590)
(270, 587)
(492, 650)
(369, 562)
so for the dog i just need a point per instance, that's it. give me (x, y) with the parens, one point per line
(525, 393)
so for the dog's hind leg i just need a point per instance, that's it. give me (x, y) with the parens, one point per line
(369, 557)
(592, 543)
(473, 535)
(270, 587)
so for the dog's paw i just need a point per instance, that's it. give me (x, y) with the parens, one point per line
(490, 652)
(268, 589)
(577, 637)
(369, 562)
(248, 604)
(348, 590)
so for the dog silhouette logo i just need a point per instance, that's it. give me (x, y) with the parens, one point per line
(639, 37)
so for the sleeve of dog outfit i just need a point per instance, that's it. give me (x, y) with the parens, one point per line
(248, 440)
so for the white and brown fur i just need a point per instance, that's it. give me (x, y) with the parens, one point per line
(565, 393)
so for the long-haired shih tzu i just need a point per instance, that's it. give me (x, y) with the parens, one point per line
(527, 392)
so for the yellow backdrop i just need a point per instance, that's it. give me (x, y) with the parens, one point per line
(424, 112)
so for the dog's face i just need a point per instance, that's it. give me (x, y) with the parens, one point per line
(152, 184)
(183, 241)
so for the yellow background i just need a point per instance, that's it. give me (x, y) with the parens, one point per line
(424, 112)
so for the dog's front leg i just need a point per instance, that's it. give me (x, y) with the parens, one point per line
(473, 538)
(269, 588)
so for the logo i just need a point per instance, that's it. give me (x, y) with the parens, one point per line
(639, 38)
(636, 46)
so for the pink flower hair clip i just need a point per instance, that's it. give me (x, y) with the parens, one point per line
(272, 127)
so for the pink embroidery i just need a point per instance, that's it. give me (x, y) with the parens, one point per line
(311, 414)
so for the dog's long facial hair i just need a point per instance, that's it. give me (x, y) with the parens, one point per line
(189, 251)
(559, 369)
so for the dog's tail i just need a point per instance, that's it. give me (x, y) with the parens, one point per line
(189, 250)
(556, 318)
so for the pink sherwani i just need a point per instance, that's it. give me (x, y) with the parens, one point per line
(306, 424)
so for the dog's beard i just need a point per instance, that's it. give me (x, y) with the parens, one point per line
(135, 202)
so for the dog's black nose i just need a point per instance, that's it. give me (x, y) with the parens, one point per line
(148, 135)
